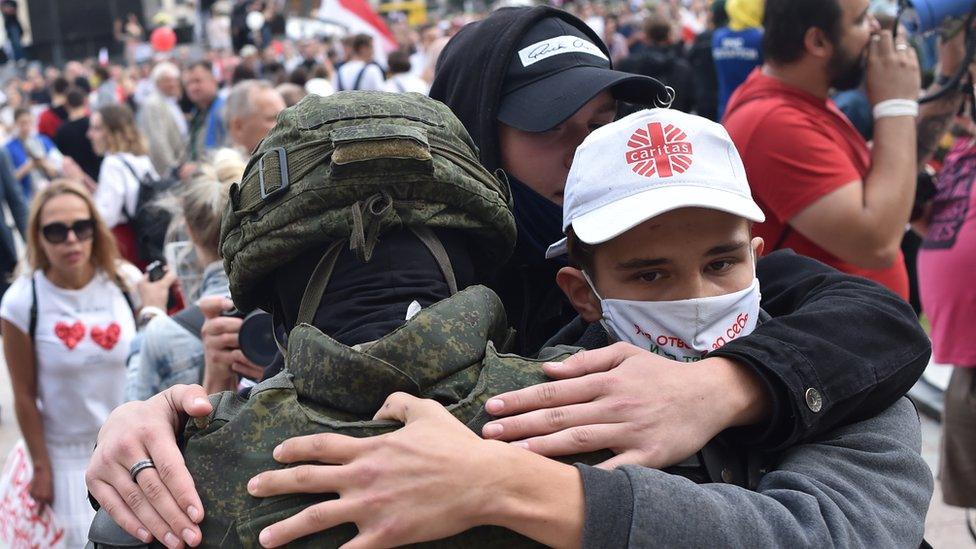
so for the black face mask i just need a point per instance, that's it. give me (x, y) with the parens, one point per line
(539, 220)
(365, 301)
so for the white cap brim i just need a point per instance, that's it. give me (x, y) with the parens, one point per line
(616, 218)
(557, 249)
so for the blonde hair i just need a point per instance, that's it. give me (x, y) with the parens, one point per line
(121, 133)
(204, 198)
(105, 251)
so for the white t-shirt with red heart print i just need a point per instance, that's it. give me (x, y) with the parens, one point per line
(82, 341)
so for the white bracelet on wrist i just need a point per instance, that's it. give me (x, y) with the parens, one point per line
(149, 312)
(896, 107)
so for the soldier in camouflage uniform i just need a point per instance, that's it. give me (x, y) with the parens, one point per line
(347, 175)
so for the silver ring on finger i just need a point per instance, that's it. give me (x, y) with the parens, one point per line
(901, 47)
(139, 466)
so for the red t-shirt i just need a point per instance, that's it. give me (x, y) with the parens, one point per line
(797, 148)
(49, 122)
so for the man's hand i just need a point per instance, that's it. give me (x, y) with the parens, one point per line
(647, 409)
(164, 504)
(423, 482)
(223, 358)
(892, 71)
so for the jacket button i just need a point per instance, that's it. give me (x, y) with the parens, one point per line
(727, 476)
(814, 400)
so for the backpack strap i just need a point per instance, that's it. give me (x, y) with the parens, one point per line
(362, 72)
(427, 236)
(125, 209)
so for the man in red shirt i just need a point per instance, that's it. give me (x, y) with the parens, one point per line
(51, 119)
(825, 193)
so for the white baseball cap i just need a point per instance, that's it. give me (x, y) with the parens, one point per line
(649, 163)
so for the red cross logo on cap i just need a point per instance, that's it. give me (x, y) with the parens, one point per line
(659, 149)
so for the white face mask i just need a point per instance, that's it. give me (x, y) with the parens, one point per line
(684, 330)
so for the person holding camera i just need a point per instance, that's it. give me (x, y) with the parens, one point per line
(171, 352)
(67, 324)
(35, 157)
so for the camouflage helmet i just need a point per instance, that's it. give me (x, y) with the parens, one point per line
(349, 167)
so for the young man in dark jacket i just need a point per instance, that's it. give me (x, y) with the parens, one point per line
(795, 369)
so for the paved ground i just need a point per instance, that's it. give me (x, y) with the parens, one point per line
(945, 526)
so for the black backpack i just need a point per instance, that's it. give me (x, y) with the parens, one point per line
(150, 221)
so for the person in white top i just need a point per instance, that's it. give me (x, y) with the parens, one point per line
(67, 327)
(113, 133)
(360, 72)
(401, 79)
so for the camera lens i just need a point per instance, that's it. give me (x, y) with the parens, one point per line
(257, 338)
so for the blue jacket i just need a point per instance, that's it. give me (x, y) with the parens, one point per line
(18, 155)
(736, 53)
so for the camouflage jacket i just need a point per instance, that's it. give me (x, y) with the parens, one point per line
(450, 352)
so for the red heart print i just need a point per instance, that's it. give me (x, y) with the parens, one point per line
(70, 334)
(106, 337)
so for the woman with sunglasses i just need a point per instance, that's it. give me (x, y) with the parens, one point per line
(113, 133)
(67, 327)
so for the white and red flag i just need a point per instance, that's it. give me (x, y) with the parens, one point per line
(356, 16)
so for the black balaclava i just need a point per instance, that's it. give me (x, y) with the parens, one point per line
(539, 221)
(365, 301)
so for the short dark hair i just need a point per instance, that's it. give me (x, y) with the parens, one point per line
(580, 253)
(399, 62)
(102, 73)
(241, 73)
(76, 97)
(361, 41)
(83, 83)
(299, 76)
(786, 23)
(207, 65)
(60, 85)
(21, 111)
(658, 29)
(720, 17)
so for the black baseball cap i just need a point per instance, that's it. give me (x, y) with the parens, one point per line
(556, 69)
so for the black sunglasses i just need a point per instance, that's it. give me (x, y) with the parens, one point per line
(56, 233)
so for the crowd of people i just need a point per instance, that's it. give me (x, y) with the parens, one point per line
(655, 248)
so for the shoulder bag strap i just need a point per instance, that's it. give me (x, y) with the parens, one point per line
(32, 326)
